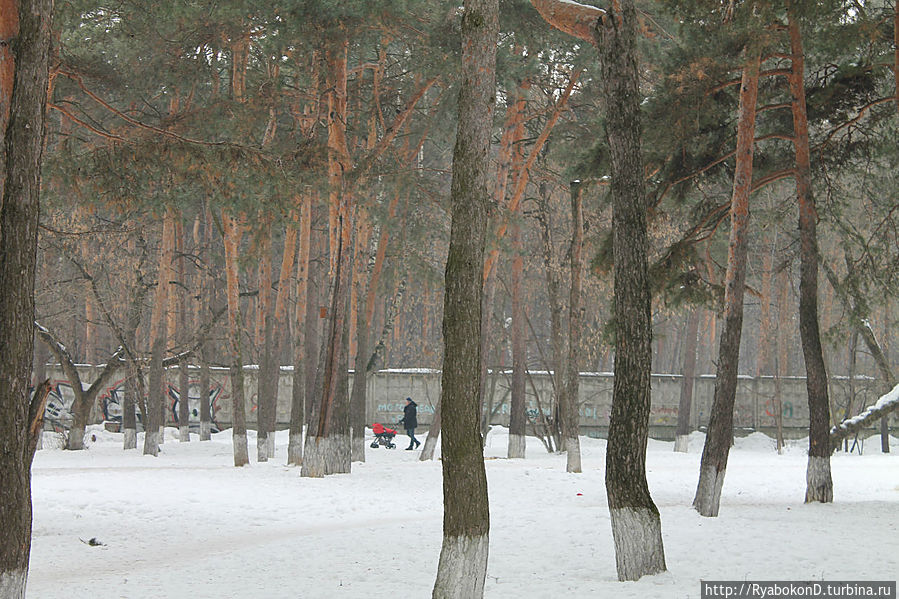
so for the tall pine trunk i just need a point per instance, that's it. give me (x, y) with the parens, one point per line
(298, 391)
(721, 421)
(819, 485)
(158, 335)
(572, 384)
(280, 329)
(183, 363)
(327, 444)
(553, 292)
(782, 346)
(205, 384)
(636, 525)
(517, 407)
(462, 567)
(267, 382)
(232, 234)
(24, 51)
(361, 283)
(183, 401)
(688, 375)
(517, 414)
(206, 291)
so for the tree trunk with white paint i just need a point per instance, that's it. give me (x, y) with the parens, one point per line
(572, 384)
(129, 420)
(819, 484)
(636, 525)
(517, 415)
(265, 384)
(206, 292)
(553, 292)
(24, 60)
(232, 235)
(721, 421)
(205, 407)
(462, 567)
(158, 325)
(682, 438)
(85, 399)
(298, 390)
(183, 401)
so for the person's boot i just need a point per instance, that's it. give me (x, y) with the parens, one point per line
(410, 447)
(417, 443)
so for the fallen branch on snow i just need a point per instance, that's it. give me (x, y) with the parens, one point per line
(885, 405)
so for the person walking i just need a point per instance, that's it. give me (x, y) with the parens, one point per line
(410, 421)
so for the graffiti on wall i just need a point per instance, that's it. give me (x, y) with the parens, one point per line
(58, 413)
(194, 397)
(392, 411)
(771, 409)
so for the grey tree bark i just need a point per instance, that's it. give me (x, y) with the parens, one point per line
(681, 441)
(24, 60)
(572, 384)
(184, 401)
(636, 525)
(462, 568)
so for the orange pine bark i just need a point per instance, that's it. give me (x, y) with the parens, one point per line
(572, 18)
(522, 176)
(9, 30)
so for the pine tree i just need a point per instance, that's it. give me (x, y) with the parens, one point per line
(24, 75)
(462, 568)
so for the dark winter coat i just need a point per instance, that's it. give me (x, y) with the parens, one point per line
(410, 415)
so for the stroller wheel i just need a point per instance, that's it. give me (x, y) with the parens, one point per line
(391, 446)
(374, 445)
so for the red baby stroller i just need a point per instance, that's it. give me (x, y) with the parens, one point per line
(383, 436)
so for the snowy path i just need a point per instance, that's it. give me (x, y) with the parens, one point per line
(187, 524)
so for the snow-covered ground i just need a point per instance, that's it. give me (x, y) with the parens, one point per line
(188, 524)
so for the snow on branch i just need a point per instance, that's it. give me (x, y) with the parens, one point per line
(570, 17)
(884, 406)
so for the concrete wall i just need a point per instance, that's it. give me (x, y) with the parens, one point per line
(387, 390)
